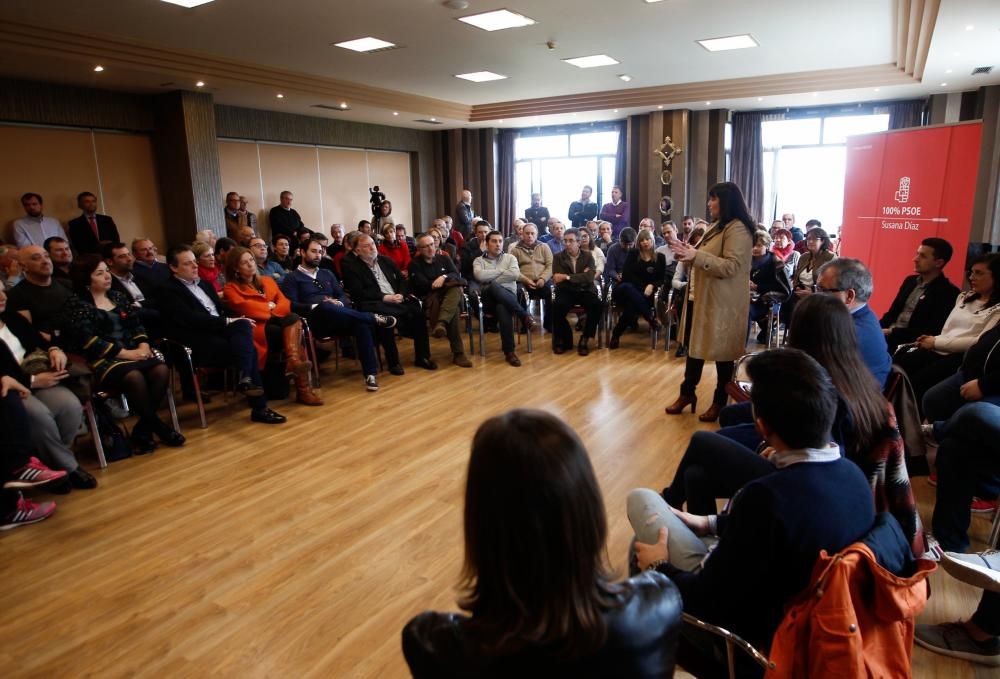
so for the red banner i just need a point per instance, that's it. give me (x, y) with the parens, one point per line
(902, 187)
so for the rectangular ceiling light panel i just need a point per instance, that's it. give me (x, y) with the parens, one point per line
(368, 44)
(188, 3)
(481, 76)
(592, 61)
(732, 42)
(497, 20)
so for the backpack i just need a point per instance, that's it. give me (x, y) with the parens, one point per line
(114, 436)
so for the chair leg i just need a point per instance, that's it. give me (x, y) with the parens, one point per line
(482, 331)
(994, 540)
(197, 397)
(528, 333)
(171, 403)
(88, 408)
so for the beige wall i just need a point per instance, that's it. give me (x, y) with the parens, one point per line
(330, 184)
(60, 163)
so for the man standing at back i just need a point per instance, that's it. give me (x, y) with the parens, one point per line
(464, 214)
(90, 231)
(582, 211)
(537, 215)
(34, 227)
(285, 220)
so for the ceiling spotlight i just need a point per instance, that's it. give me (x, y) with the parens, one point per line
(456, 4)
(98, 68)
(395, 113)
(434, 120)
(592, 61)
(501, 120)
(615, 111)
(876, 89)
(281, 96)
(760, 98)
(199, 84)
(815, 94)
(368, 44)
(343, 104)
(944, 84)
(497, 20)
(624, 77)
(660, 106)
(708, 103)
(970, 27)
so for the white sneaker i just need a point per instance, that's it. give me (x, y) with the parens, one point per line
(370, 383)
(979, 570)
(928, 431)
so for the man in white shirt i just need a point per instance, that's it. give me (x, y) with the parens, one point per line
(34, 228)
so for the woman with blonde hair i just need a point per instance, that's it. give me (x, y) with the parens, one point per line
(392, 248)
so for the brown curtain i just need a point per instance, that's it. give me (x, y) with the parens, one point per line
(747, 160)
(506, 205)
(906, 114)
(621, 158)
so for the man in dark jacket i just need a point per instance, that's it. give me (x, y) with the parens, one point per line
(285, 220)
(573, 272)
(376, 284)
(464, 214)
(924, 299)
(90, 230)
(537, 214)
(582, 211)
(194, 315)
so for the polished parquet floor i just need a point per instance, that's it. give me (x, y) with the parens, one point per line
(301, 550)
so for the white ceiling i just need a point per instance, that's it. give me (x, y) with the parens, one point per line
(654, 42)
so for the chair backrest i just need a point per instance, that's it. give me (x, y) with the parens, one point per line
(738, 388)
(733, 642)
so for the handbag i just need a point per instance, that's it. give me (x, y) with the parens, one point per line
(113, 434)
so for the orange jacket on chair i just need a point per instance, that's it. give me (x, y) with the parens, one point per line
(247, 301)
(855, 620)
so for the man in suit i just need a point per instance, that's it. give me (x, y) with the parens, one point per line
(90, 231)
(285, 220)
(376, 284)
(60, 254)
(464, 214)
(140, 293)
(196, 317)
(924, 299)
(231, 212)
(573, 272)
(316, 294)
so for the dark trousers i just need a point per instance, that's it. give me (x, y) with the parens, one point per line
(633, 304)
(736, 424)
(232, 347)
(926, 368)
(544, 295)
(503, 304)
(692, 375)
(15, 445)
(968, 455)
(410, 321)
(562, 334)
(713, 466)
(328, 319)
(987, 615)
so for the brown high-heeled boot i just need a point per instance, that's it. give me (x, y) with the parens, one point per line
(682, 402)
(304, 391)
(712, 414)
(295, 363)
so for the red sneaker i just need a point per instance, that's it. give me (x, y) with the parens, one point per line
(981, 506)
(33, 474)
(932, 479)
(27, 512)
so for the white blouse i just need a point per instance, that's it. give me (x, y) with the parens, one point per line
(14, 344)
(966, 322)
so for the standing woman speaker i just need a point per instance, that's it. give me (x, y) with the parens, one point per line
(720, 273)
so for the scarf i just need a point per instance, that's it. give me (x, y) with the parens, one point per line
(210, 276)
(783, 253)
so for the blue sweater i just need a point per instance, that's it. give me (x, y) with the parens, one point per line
(303, 289)
(769, 542)
(871, 342)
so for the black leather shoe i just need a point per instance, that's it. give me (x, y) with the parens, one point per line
(558, 349)
(191, 398)
(142, 444)
(81, 478)
(426, 364)
(396, 369)
(614, 342)
(267, 416)
(582, 347)
(681, 351)
(248, 388)
(172, 438)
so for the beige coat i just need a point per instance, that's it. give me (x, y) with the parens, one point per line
(721, 276)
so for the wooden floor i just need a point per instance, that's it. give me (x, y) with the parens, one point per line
(301, 550)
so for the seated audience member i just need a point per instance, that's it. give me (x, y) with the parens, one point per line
(767, 275)
(34, 227)
(534, 262)
(244, 235)
(537, 215)
(434, 278)
(591, 228)
(604, 238)
(776, 226)
(350, 240)
(573, 274)
(90, 231)
(337, 233)
(531, 496)
(231, 211)
(978, 638)
(937, 357)
(977, 380)
(260, 299)
(685, 295)
(402, 238)
(196, 317)
(246, 216)
(265, 265)
(139, 295)
(210, 269)
(819, 251)
(784, 249)
(316, 293)
(647, 224)
(61, 256)
(617, 254)
(365, 227)
(222, 248)
(669, 232)
(924, 299)
(767, 545)
(394, 249)
(206, 236)
(281, 252)
(554, 238)
(442, 248)
(324, 263)
(788, 219)
(642, 276)
(10, 267)
(19, 468)
(516, 229)
(583, 210)
(800, 245)
(475, 247)
(284, 219)
(39, 297)
(497, 274)
(105, 328)
(376, 285)
(453, 236)
(53, 414)
(685, 228)
(587, 244)
(850, 281)
(147, 268)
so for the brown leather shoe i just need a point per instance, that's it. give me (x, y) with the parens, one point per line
(529, 322)
(304, 393)
(712, 414)
(513, 359)
(462, 361)
(682, 402)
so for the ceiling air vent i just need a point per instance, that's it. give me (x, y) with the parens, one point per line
(429, 122)
(338, 109)
(982, 70)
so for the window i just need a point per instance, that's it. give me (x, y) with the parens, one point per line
(558, 166)
(804, 163)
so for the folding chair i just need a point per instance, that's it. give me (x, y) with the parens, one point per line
(733, 642)
(602, 319)
(612, 310)
(519, 326)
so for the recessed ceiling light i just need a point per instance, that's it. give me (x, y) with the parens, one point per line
(188, 3)
(281, 96)
(625, 77)
(876, 89)
(970, 27)
(434, 120)
(98, 68)
(591, 61)
(501, 120)
(615, 111)
(199, 84)
(660, 106)
(481, 76)
(948, 70)
(944, 84)
(956, 54)
(395, 113)
(731, 42)
(365, 44)
(815, 94)
(708, 103)
(650, 2)
(497, 20)
(760, 98)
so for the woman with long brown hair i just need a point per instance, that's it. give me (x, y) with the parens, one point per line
(259, 298)
(536, 580)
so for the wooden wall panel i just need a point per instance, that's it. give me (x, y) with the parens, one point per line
(40, 103)
(391, 171)
(129, 187)
(56, 163)
(343, 174)
(292, 168)
(241, 173)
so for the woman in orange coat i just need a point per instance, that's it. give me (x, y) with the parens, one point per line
(260, 299)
